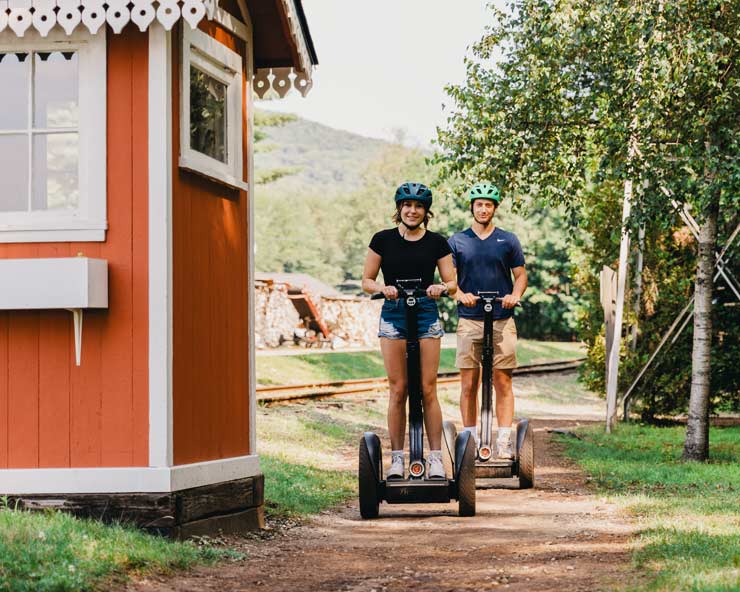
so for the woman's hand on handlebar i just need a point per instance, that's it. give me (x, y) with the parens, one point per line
(467, 299)
(436, 291)
(390, 292)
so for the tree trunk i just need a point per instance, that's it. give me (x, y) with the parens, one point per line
(696, 446)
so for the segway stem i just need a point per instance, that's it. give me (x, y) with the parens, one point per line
(409, 291)
(486, 415)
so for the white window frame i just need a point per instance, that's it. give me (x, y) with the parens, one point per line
(225, 65)
(87, 223)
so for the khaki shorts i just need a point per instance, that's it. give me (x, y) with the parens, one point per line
(470, 344)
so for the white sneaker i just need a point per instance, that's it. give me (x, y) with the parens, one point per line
(397, 466)
(435, 467)
(504, 449)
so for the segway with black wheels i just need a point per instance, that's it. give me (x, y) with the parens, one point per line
(459, 483)
(486, 465)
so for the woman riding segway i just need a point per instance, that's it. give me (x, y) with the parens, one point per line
(411, 251)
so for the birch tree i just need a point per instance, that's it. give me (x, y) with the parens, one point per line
(556, 89)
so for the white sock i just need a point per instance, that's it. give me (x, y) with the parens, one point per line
(504, 433)
(437, 453)
(473, 430)
(395, 453)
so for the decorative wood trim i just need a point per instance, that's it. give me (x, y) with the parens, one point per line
(231, 24)
(43, 15)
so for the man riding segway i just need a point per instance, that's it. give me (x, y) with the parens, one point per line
(486, 257)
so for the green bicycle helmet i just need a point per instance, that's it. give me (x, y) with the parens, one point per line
(417, 191)
(485, 191)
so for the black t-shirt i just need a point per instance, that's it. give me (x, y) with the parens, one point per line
(403, 259)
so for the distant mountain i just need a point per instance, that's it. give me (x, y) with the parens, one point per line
(319, 158)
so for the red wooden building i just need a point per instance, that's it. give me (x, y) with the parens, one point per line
(126, 360)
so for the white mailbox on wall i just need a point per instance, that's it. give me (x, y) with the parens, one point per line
(71, 283)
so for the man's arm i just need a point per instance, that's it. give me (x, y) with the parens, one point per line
(520, 286)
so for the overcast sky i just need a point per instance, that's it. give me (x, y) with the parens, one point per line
(383, 64)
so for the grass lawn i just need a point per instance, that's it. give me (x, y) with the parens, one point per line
(304, 452)
(52, 551)
(299, 369)
(689, 513)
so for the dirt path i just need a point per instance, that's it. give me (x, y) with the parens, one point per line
(557, 537)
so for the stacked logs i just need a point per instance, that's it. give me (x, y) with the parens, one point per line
(352, 320)
(275, 318)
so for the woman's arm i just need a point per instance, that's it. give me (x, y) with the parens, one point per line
(370, 273)
(449, 278)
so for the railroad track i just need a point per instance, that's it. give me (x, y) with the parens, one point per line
(267, 395)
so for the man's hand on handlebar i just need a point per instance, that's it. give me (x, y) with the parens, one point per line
(436, 291)
(468, 299)
(390, 292)
(509, 301)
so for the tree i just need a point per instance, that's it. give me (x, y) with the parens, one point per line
(593, 92)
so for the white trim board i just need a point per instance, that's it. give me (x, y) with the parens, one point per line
(160, 248)
(251, 254)
(125, 479)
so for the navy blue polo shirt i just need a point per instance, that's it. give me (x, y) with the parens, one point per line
(485, 265)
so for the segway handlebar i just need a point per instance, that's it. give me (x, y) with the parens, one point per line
(405, 294)
(492, 297)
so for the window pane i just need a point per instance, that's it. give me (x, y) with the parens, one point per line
(55, 89)
(207, 115)
(14, 74)
(13, 173)
(55, 171)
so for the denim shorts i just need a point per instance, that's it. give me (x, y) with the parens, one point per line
(393, 319)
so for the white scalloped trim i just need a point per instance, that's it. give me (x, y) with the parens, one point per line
(42, 15)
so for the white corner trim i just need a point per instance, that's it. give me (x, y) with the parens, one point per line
(125, 479)
(251, 254)
(160, 248)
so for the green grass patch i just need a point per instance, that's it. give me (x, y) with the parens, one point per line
(53, 551)
(308, 453)
(297, 490)
(688, 512)
(334, 366)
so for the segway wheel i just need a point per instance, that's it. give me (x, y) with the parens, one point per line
(466, 481)
(526, 460)
(368, 484)
(449, 434)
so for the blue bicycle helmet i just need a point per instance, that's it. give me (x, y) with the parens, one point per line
(417, 191)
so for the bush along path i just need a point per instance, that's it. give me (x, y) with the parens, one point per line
(559, 536)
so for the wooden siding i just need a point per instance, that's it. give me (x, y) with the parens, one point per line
(210, 301)
(52, 412)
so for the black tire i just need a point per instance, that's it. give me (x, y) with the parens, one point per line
(368, 484)
(466, 481)
(449, 435)
(526, 460)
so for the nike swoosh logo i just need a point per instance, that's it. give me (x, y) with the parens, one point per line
(500, 240)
